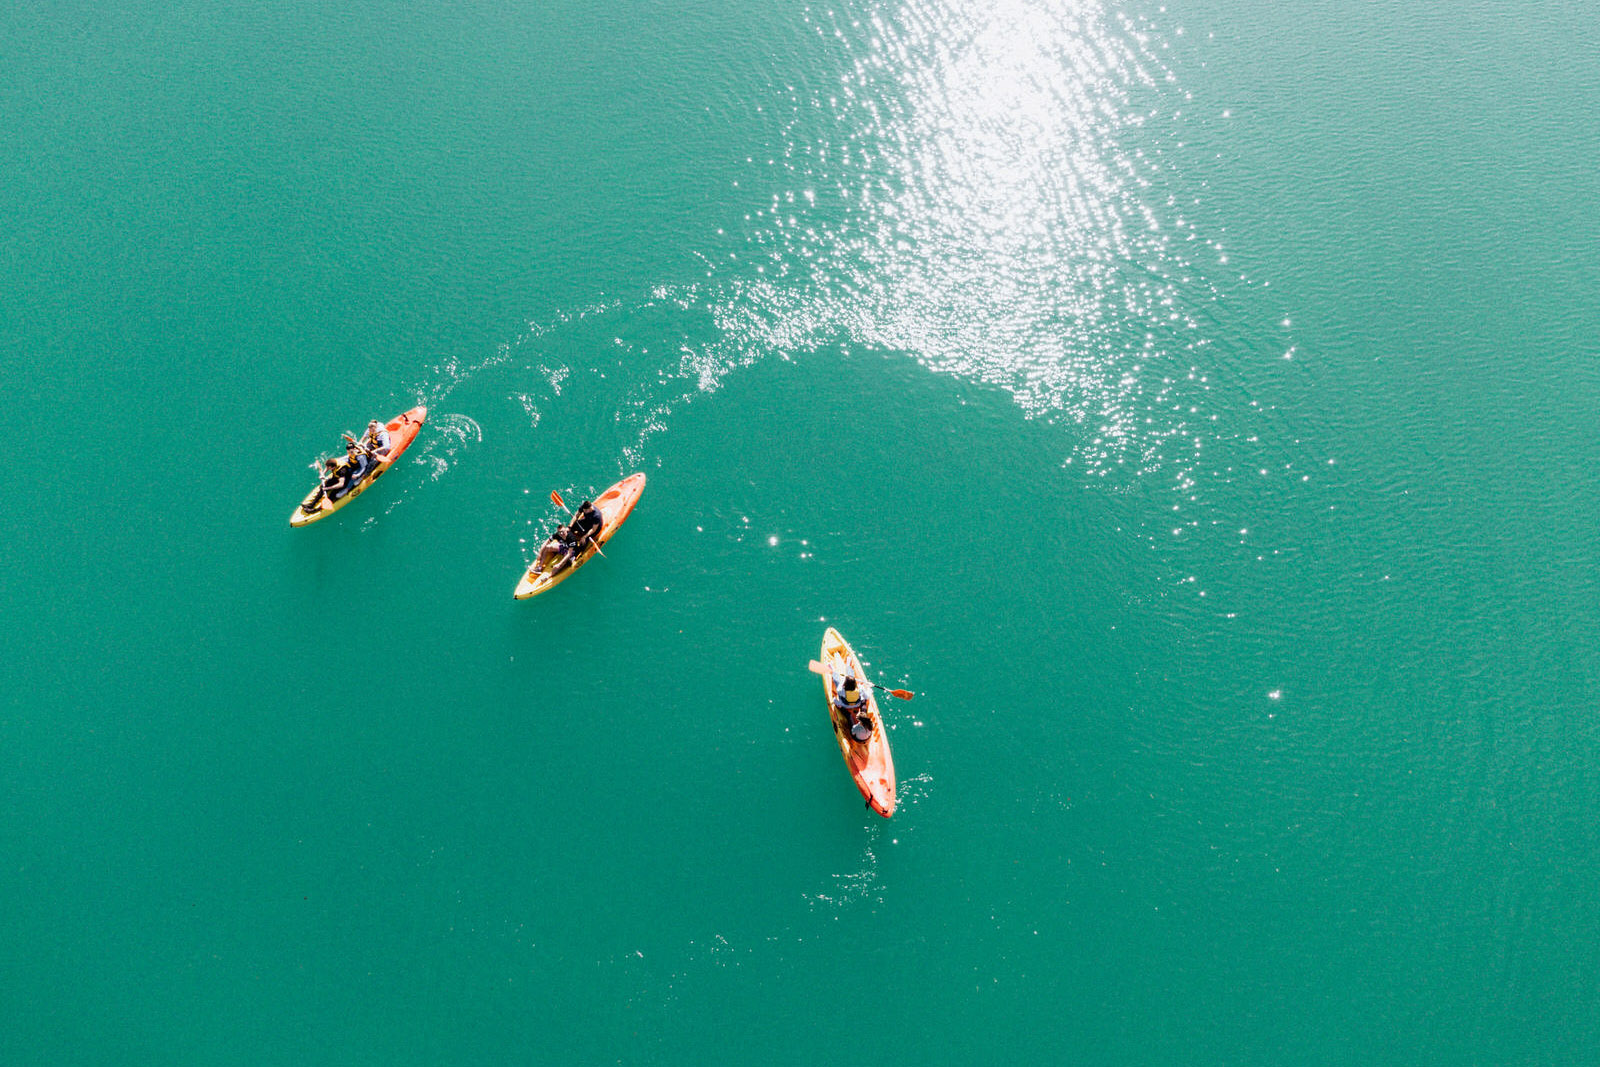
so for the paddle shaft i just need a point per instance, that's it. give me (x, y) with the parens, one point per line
(370, 452)
(817, 667)
(555, 498)
(320, 465)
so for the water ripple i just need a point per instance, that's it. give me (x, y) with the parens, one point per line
(996, 189)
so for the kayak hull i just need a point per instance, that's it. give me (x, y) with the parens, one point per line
(402, 431)
(869, 762)
(615, 505)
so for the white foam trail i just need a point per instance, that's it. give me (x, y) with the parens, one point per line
(985, 186)
(449, 434)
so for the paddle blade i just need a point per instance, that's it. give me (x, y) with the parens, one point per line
(903, 694)
(816, 667)
(555, 498)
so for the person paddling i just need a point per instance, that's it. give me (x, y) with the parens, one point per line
(587, 524)
(335, 479)
(851, 703)
(556, 552)
(359, 458)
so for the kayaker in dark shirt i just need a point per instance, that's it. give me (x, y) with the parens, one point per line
(336, 479)
(587, 524)
(852, 705)
(556, 552)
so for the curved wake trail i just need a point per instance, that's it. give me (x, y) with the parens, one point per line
(993, 189)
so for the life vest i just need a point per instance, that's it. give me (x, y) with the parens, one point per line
(850, 707)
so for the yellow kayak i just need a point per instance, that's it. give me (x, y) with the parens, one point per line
(614, 505)
(402, 431)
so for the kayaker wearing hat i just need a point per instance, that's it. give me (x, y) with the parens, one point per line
(852, 704)
(359, 459)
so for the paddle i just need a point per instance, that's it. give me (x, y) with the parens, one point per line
(555, 498)
(364, 448)
(903, 694)
(320, 465)
(316, 498)
(377, 461)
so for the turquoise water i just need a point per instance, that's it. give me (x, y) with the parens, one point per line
(1192, 403)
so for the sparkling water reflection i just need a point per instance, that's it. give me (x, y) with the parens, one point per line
(982, 194)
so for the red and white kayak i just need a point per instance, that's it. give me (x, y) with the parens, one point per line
(868, 761)
(402, 431)
(614, 505)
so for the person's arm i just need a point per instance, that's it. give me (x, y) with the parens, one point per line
(361, 447)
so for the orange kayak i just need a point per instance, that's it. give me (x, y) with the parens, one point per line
(402, 431)
(869, 761)
(614, 505)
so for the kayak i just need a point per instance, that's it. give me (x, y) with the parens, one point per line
(869, 761)
(614, 505)
(402, 431)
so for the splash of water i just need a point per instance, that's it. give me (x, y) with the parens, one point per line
(447, 434)
(450, 434)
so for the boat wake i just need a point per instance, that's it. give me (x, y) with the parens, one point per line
(444, 436)
(993, 190)
(988, 188)
(852, 887)
(451, 434)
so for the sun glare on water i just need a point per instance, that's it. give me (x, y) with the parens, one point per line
(980, 195)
